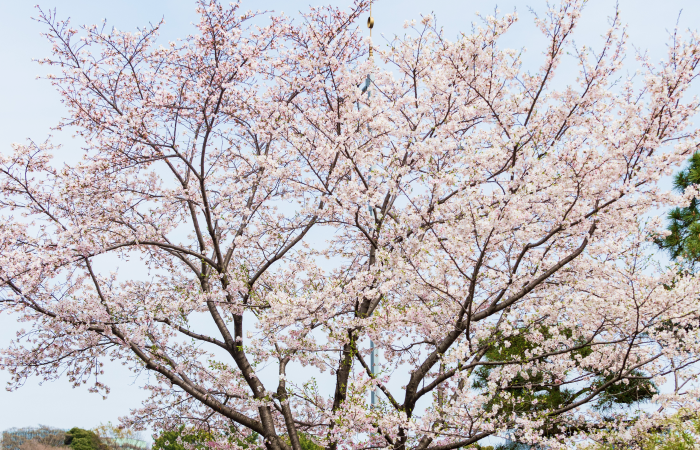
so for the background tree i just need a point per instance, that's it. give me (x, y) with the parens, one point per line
(178, 438)
(120, 437)
(182, 438)
(278, 220)
(80, 439)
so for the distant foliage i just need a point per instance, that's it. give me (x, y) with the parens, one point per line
(307, 443)
(80, 439)
(16, 438)
(174, 439)
(120, 437)
(184, 438)
(680, 432)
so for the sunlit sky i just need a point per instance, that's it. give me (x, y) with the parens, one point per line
(30, 107)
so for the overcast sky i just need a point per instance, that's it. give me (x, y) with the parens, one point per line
(30, 107)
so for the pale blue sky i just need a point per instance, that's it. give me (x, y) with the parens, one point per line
(29, 108)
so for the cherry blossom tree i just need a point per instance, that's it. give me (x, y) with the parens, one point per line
(281, 219)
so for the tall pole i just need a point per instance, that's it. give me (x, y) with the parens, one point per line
(370, 25)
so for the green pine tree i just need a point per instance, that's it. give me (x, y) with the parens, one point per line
(537, 394)
(683, 244)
